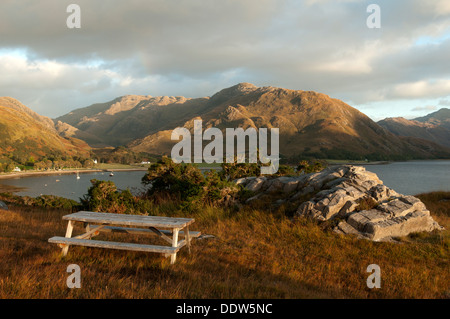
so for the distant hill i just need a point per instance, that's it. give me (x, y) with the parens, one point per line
(433, 127)
(439, 118)
(311, 124)
(127, 118)
(25, 134)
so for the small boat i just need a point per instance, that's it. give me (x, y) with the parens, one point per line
(78, 176)
(111, 174)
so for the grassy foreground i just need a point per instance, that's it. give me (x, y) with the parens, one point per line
(255, 254)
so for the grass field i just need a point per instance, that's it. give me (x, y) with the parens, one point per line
(255, 254)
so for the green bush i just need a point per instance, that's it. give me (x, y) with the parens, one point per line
(307, 167)
(286, 170)
(103, 196)
(187, 183)
(232, 171)
(47, 201)
(50, 201)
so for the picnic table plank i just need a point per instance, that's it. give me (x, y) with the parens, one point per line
(115, 245)
(130, 220)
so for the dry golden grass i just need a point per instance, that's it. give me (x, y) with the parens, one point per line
(255, 254)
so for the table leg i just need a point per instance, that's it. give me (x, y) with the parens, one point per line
(87, 227)
(188, 239)
(68, 235)
(173, 258)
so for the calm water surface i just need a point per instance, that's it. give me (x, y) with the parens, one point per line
(68, 186)
(409, 178)
(414, 177)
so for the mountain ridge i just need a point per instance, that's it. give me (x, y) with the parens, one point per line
(311, 124)
(25, 134)
(434, 127)
(441, 117)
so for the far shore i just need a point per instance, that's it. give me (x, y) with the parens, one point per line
(30, 173)
(338, 162)
(65, 172)
(203, 167)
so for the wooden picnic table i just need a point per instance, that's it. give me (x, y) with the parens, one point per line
(94, 223)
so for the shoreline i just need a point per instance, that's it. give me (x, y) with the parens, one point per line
(13, 175)
(331, 163)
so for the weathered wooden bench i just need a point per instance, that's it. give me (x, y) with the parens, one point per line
(94, 223)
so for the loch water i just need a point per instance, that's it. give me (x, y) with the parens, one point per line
(409, 178)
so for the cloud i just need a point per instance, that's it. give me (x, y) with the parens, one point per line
(424, 108)
(422, 89)
(196, 47)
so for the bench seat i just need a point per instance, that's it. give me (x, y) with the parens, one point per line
(116, 245)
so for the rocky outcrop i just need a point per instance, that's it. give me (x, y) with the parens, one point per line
(355, 198)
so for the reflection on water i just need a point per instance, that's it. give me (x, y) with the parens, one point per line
(409, 178)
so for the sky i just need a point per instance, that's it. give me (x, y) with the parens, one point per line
(195, 48)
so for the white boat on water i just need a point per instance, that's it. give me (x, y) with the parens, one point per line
(111, 174)
(78, 175)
